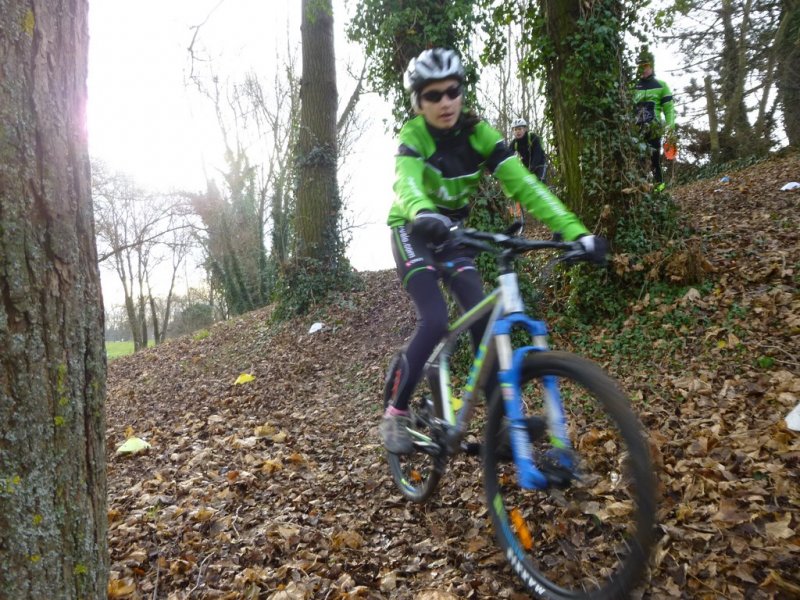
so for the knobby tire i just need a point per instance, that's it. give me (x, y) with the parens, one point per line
(416, 475)
(592, 539)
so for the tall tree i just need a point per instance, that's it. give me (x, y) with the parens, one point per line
(318, 264)
(787, 44)
(318, 207)
(257, 196)
(738, 43)
(561, 26)
(132, 226)
(579, 51)
(52, 358)
(393, 32)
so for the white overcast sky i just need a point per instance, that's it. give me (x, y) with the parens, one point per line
(147, 121)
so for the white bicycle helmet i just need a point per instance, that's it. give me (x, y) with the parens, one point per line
(434, 64)
(518, 123)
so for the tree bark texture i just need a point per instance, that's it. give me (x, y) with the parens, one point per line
(735, 131)
(788, 44)
(52, 357)
(713, 126)
(560, 21)
(318, 204)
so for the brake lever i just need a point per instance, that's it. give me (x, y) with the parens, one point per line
(458, 237)
(514, 229)
(574, 256)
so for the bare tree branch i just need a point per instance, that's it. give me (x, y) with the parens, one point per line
(196, 28)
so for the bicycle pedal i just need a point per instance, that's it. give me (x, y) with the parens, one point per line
(558, 477)
(471, 448)
(431, 448)
(537, 427)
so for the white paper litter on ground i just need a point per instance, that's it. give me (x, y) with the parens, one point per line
(133, 445)
(793, 419)
(792, 185)
(315, 327)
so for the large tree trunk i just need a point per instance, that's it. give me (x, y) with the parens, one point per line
(317, 217)
(761, 127)
(52, 358)
(280, 224)
(788, 44)
(713, 126)
(561, 17)
(736, 132)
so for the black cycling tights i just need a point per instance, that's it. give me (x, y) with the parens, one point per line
(423, 287)
(655, 159)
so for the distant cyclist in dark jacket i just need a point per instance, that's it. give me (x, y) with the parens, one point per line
(443, 153)
(655, 111)
(529, 147)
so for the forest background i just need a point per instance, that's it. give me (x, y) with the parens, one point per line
(271, 227)
(175, 100)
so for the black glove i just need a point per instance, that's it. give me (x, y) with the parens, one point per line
(596, 248)
(431, 226)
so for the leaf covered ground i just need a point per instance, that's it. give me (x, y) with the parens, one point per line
(277, 488)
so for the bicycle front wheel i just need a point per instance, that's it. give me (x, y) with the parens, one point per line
(591, 536)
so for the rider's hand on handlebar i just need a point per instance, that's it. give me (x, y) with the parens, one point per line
(431, 226)
(596, 248)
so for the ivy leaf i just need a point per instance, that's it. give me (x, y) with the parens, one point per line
(765, 362)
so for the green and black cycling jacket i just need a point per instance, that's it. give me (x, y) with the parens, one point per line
(440, 171)
(653, 99)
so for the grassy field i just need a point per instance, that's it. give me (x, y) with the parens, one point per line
(117, 349)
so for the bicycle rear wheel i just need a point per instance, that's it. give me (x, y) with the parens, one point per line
(416, 475)
(591, 538)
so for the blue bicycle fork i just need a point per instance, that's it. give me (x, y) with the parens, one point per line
(510, 362)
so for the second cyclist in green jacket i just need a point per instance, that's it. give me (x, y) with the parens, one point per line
(443, 153)
(655, 110)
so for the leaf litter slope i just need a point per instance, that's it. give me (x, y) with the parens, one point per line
(277, 488)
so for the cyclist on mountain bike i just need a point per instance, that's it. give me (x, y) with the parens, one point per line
(529, 147)
(653, 99)
(443, 152)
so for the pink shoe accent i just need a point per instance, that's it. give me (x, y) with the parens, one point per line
(391, 411)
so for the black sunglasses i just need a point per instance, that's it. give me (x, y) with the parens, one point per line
(435, 96)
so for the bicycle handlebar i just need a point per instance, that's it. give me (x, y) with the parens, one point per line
(501, 243)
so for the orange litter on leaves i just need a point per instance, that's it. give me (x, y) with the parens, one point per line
(670, 151)
(523, 533)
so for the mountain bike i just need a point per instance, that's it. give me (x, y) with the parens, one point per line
(573, 508)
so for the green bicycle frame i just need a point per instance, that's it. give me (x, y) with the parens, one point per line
(503, 300)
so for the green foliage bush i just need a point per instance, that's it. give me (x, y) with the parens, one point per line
(305, 283)
(196, 315)
(394, 31)
(634, 336)
(200, 335)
